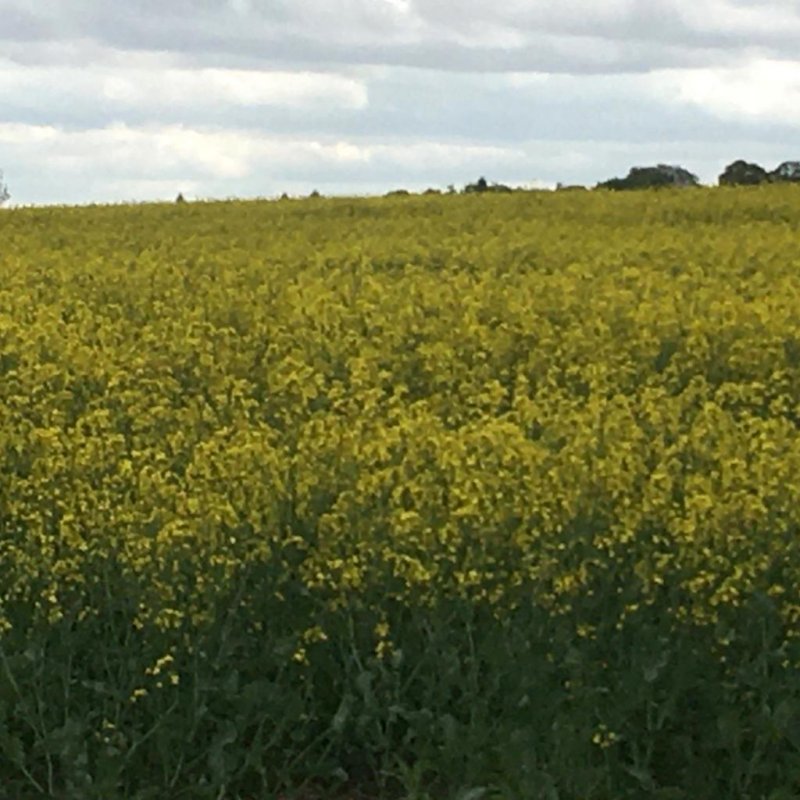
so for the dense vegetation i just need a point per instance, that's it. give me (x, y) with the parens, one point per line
(472, 496)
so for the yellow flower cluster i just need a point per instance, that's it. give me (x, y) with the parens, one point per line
(439, 396)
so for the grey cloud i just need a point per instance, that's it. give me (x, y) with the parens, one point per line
(546, 53)
(403, 103)
(470, 35)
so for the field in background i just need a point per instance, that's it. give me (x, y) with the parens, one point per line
(419, 497)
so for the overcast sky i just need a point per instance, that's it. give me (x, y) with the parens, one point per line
(105, 100)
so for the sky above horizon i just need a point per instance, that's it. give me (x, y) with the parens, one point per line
(136, 101)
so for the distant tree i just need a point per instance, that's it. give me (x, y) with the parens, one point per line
(180, 198)
(788, 172)
(4, 193)
(432, 191)
(481, 185)
(662, 175)
(398, 193)
(315, 194)
(743, 173)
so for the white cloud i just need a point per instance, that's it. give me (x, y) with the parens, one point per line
(155, 86)
(184, 87)
(762, 19)
(760, 90)
(231, 153)
(120, 151)
(402, 6)
(242, 7)
(113, 161)
(18, 134)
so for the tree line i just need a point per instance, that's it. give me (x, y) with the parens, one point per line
(737, 173)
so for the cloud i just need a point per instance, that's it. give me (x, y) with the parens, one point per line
(184, 87)
(251, 97)
(105, 162)
(573, 36)
(760, 90)
(117, 88)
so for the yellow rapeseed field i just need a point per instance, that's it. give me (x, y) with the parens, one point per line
(442, 395)
(510, 399)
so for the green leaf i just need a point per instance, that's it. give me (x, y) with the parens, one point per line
(11, 747)
(216, 753)
(342, 714)
(475, 793)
